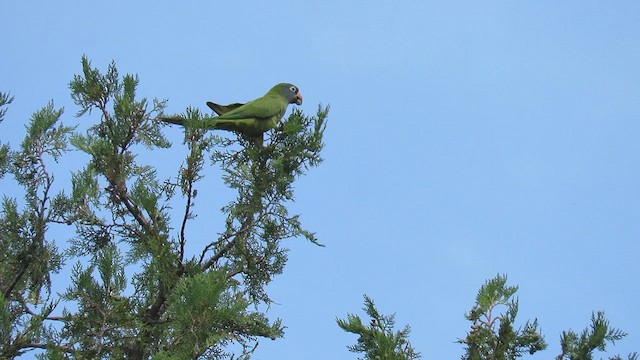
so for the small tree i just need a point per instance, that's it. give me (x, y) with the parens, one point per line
(378, 340)
(581, 347)
(493, 335)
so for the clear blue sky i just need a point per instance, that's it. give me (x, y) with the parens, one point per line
(465, 139)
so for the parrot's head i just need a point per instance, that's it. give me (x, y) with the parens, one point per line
(290, 92)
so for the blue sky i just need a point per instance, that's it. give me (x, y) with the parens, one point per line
(465, 139)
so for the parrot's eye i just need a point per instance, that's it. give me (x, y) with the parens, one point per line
(294, 89)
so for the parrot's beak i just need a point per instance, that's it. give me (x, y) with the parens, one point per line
(298, 99)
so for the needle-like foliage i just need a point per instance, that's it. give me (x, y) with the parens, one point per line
(137, 289)
(493, 335)
(378, 340)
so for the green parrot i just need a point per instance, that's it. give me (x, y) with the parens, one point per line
(252, 119)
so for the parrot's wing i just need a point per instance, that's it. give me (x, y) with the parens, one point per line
(264, 107)
(223, 109)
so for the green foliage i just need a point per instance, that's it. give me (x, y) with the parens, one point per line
(258, 219)
(208, 311)
(492, 335)
(102, 322)
(4, 159)
(581, 347)
(27, 257)
(135, 292)
(5, 99)
(378, 340)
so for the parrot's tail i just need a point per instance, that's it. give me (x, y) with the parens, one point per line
(172, 120)
(238, 126)
(177, 120)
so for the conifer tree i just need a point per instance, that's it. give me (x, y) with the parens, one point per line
(595, 337)
(493, 335)
(377, 339)
(136, 290)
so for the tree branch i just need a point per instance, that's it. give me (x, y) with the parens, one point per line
(15, 280)
(187, 213)
(241, 233)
